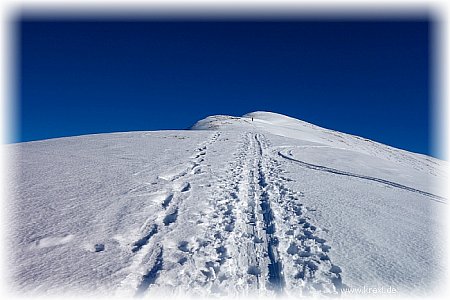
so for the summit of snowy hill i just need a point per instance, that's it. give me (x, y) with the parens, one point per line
(275, 118)
(234, 208)
(260, 117)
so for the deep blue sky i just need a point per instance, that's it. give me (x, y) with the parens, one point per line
(368, 78)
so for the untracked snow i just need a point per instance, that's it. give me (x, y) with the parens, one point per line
(234, 207)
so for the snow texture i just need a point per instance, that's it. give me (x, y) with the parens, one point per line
(232, 208)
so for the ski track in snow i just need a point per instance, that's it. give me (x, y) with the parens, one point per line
(307, 267)
(289, 157)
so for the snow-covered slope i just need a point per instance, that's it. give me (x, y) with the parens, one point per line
(234, 207)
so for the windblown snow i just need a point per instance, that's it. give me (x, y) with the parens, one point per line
(270, 207)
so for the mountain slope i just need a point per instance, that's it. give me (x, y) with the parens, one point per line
(273, 206)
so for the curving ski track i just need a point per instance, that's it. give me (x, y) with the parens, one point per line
(344, 173)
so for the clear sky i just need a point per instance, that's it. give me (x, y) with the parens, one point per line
(369, 78)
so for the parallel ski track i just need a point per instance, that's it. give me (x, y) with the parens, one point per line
(275, 267)
(308, 269)
(253, 207)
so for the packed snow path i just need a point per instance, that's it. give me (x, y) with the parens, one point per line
(274, 207)
(241, 243)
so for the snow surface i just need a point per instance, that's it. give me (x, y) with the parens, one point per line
(270, 207)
